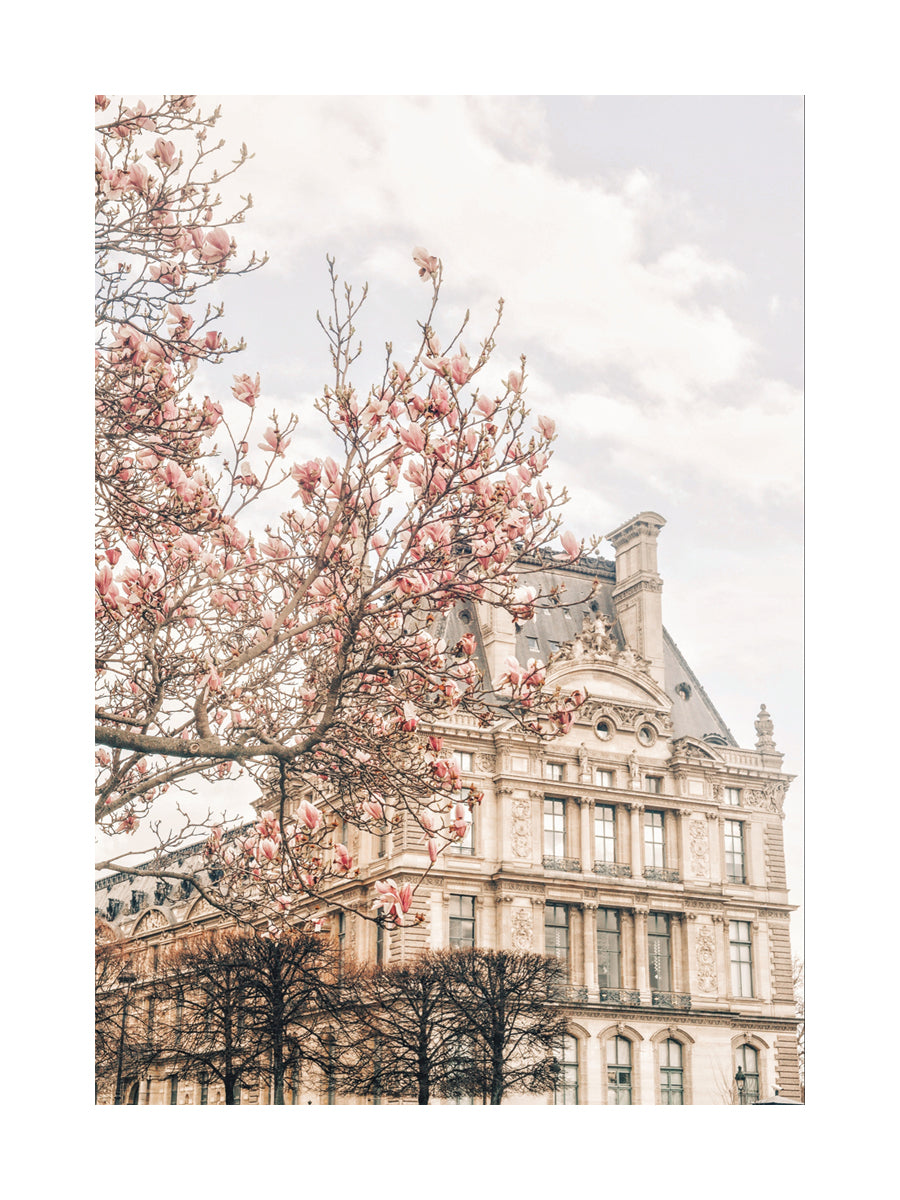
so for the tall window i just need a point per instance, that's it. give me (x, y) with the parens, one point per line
(466, 845)
(236, 1092)
(653, 783)
(464, 1065)
(605, 833)
(654, 840)
(741, 958)
(463, 759)
(671, 1072)
(555, 828)
(556, 931)
(733, 796)
(462, 922)
(734, 852)
(608, 948)
(618, 1063)
(379, 944)
(554, 771)
(748, 1062)
(173, 1090)
(660, 952)
(603, 778)
(204, 1089)
(565, 1090)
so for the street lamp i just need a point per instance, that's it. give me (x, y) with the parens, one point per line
(128, 978)
(740, 1079)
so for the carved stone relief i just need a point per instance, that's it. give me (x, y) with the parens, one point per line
(768, 798)
(521, 828)
(707, 980)
(151, 920)
(484, 763)
(699, 843)
(523, 930)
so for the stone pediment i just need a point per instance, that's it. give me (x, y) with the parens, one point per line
(694, 748)
(607, 682)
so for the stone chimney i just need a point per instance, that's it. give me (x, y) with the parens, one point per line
(638, 591)
(498, 635)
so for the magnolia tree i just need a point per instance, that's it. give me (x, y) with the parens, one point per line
(305, 651)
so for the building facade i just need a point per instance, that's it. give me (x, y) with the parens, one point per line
(643, 849)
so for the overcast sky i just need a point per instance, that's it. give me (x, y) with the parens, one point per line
(649, 252)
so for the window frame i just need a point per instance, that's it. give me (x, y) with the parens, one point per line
(466, 845)
(669, 1072)
(566, 1080)
(555, 809)
(554, 952)
(653, 844)
(606, 841)
(609, 928)
(659, 940)
(460, 943)
(555, 772)
(735, 860)
(615, 1044)
(732, 797)
(741, 967)
(604, 777)
(653, 785)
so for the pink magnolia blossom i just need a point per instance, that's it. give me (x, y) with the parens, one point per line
(426, 262)
(274, 442)
(216, 246)
(432, 848)
(486, 405)
(343, 857)
(246, 389)
(571, 545)
(164, 152)
(460, 369)
(309, 815)
(375, 809)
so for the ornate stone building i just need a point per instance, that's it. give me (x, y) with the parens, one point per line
(644, 849)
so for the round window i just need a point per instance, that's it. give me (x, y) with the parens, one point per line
(646, 735)
(603, 730)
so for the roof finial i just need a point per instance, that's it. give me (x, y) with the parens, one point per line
(764, 730)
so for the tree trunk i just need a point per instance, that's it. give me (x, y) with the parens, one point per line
(497, 1077)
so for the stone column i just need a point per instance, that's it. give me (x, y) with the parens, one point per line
(677, 935)
(642, 962)
(627, 935)
(486, 921)
(684, 845)
(637, 839)
(587, 835)
(723, 954)
(590, 946)
(537, 908)
(716, 866)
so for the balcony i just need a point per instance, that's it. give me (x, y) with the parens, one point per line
(671, 1000)
(561, 864)
(618, 870)
(663, 874)
(619, 996)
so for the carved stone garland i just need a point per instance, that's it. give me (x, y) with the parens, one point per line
(699, 843)
(521, 828)
(706, 959)
(523, 930)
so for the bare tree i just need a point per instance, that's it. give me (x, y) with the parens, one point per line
(797, 978)
(507, 1005)
(118, 1033)
(203, 987)
(402, 1039)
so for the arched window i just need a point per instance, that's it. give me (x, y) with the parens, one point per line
(747, 1074)
(565, 1090)
(671, 1072)
(618, 1061)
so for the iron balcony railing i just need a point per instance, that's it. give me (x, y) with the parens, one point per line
(619, 996)
(561, 864)
(619, 870)
(665, 874)
(671, 1000)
